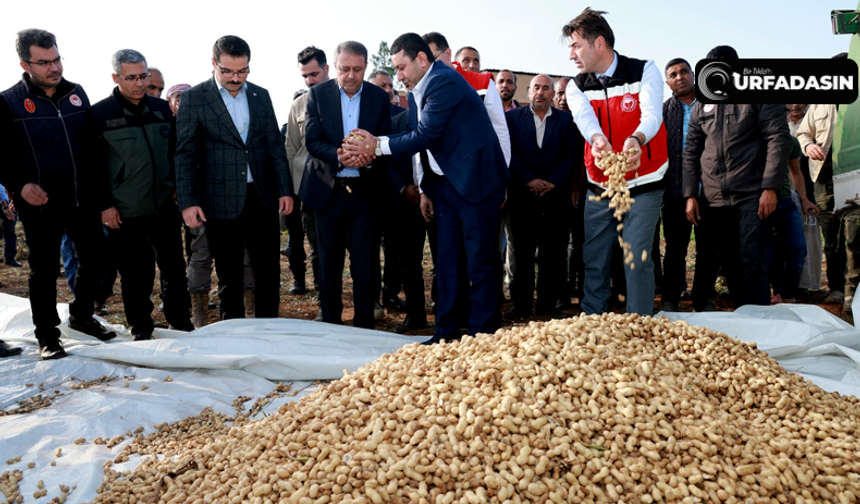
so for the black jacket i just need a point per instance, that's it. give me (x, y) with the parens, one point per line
(673, 119)
(736, 151)
(45, 143)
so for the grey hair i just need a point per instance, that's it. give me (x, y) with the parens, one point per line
(126, 56)
(352, 47)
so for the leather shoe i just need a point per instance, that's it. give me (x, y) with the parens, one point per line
(52, 350)
(143, 337)
(444, 339)
(91, 327)
(7, 350)
(396, 303)
(184, 327)
(297, 290)
(411, 324)
(13, 263)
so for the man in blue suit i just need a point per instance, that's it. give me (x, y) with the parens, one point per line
(464, 184)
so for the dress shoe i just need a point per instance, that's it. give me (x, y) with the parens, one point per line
(91, 327)
(411, 324)
(12, 263)
(52, 350)
(143, 337)
(513, 315)
(7, 350)
(834, 297)
(395, 302)
(444, 339)
(296, 290)
(187, 327)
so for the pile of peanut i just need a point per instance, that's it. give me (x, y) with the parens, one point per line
(610, 408)
(614, 165)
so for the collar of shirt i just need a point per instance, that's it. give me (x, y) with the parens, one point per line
(548, 112)
(540, 124)
(609, 72)
(418, 90)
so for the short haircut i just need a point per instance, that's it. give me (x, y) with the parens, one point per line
(676, 61)
(33, 37)
(379, 72)
(299, 93)
(125, 56)
(231, 45)
(842, 55)
(437, 39)
(411, 44)
(723, 52)
(311, 53)
(464, 48)
(352, 47)
(590, 24)
(510, 72)
(155, 70)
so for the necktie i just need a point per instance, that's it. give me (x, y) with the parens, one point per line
(604, 80)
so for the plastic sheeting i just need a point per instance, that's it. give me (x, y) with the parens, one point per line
(213, 366)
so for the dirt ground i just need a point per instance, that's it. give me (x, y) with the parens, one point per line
(14, 281)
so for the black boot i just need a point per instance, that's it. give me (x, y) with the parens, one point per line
(7, 350)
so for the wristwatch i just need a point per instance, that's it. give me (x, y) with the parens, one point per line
(378, 150)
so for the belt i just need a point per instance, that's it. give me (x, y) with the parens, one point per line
(348, 182)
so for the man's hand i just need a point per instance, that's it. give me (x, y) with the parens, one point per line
(599, 146)
(285, 205)
(574, 198)
(808, 207)
(426, 206)
(111, 218)
(412, 194)
(9, 213)
(193, 216)
(538, 186)
(634, 161)
(360, 141)
(350, 159)
(34, 194)
(693, 214)
(815, 152)
(766, 203)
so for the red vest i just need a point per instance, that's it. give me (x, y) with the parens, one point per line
(617, 110)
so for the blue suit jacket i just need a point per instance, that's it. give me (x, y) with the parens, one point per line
(456, 129)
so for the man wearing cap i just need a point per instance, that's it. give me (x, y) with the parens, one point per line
(174, 96)
(42, 127)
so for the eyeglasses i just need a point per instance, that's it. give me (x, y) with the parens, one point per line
(227, 72)
(133, 78)
(45, 63)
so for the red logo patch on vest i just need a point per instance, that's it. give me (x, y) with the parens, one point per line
(628, 103)
(29, 105)
(75, 100)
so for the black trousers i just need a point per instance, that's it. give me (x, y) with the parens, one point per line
(142, 242)
(259, 228)
(347, 223)
(676, 230)
(412, 253)
(298, 224)
(538, 223)
(575, 226)
(392, 218)
(43, 230)
(742, 246)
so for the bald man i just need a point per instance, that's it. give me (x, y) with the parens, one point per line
(544, 150)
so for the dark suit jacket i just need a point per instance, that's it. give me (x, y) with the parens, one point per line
(554, 161)
(212, 160)
(456, 129)
(324, 136)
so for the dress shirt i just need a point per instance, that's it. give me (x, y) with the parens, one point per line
(540, 124)
(237, 107)
(688, 110)
(650, 103)
(349, 108)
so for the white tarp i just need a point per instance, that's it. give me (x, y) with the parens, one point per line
(213, 366)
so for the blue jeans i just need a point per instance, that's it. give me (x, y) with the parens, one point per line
(786, 251)
(601, 234)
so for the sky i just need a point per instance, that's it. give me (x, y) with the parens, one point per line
(177, 37)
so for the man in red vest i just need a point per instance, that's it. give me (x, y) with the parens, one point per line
(617, 102)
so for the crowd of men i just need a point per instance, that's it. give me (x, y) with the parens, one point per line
(495, 185)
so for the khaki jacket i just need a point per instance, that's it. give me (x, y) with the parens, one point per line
(817, 127)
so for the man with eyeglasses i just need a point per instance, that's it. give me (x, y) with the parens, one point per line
(42, 125)
(134, 142)
(232, 174)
